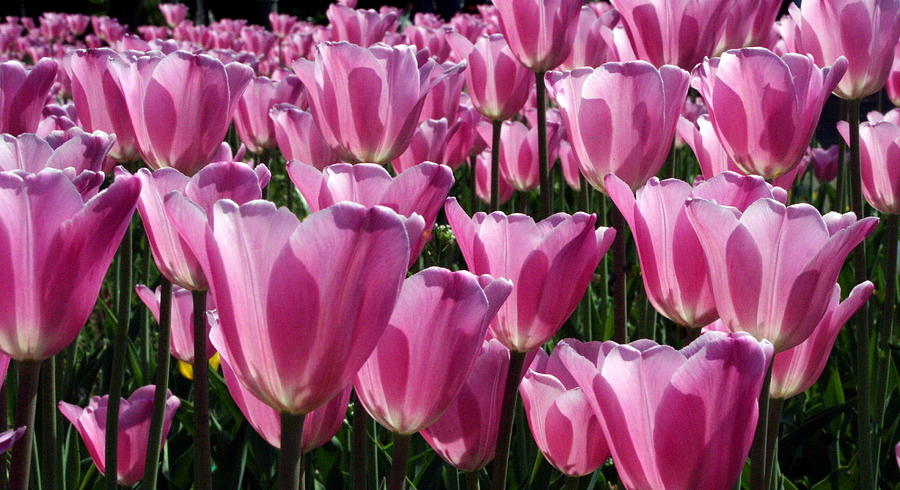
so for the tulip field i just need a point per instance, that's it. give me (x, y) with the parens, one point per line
(532, 244)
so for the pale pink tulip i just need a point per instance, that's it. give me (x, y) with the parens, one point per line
(483, 180)
(879, 157)
(428, 144)
(182, 321)
(251, 119)
(299, 138)
(592, 42)
(23, 94)
(519, 152)
(540, 32)
(174, 13)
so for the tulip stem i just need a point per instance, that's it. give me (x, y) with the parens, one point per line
(571, 483)
(399, 458)
(473, 202)
(495, 164)
(154, 439)
(546, 191)
(863, 413)
(359, 458)
(620, 304)
(48, 435)
(290, 459)
(473, 480)
(120, 346)
(773, 424)
(507, 415)
(201, 394)
(887, 328)
(26, 403)
(758, 450)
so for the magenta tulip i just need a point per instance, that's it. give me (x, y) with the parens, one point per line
(519, 152)
(539, 32)
(893, 81)
(773, 267)
(674, 419)
(361, 27)
(254, 127)
(428, 144)
(319, 426)
(23, 93)
(864, 32)
(879, 158)
(591, 42)
(174, 13)
(632, 105)
(562, 422)
(181, 106)
(825, 162)
(466, 434)
(367, 101)
(134, 428)
(182, 321)
(299, 138)
(9, 437)
(483, 180)
(56, 248)
(550, 264)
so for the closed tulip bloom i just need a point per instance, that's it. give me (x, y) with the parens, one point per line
(367, 101)
(825, 162)
(748, 24)
(299, 138)
(135, 413)
(561, 419)
(363, 27)
(23, 93)
(702, 138)
(319, 426)
(591, 42)
(633, 105)
(182, 344)
(773, 267)
(879, 158)
(673, 266)
(251, 119)
(483, 180)
(865, 32)
(466, 434)
(674, 419)
(9, 437)
(56, 249)
(465, 141)
(539, 32)
(181, 106)
(550, 264)
(571, 167)
(497, 84)
(519, 152)
(442, 100)
(679, 32)
(428, 144)
(325, 287)
(893, 82)
(765, 107)
(174, 13)
(432, 340)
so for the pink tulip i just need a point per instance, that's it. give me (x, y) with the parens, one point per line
(23, 93)
(443, 99)
(893, 80)
(763, 107)
(465, 141)
(9, 437)
(679, 32)
(415, 372)
(879, 158)
(702, 138)
(550, 264)
(174, 13)
(772, 268)
(134, 429)
(299, 138)
(748, 24)
(519, 152)
(561, 419)
(365, 101)
(864, 32)
(428, 144)
(496, 83)
(591, 43)
(674, 419)
(361, 27)
(181, 106)
(325, 287)
(540, 32)
(466, 434)
(282, 23)
(56, 249)
(571, 167)
(825, 162)
(430, 38)
(483, 180)
(182, 344)
(673, 266)
(615, 101)
(319, 426)
(252, 121)
(419, 190)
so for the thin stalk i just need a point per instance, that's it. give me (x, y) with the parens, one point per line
(473, 201)
(620, 304)
(495, 164)
(203, 477)
(290, 460)
(507, 413)
(48, 434)
(572, 483)
(473, 480)
(840, 188)
(776, 405)
(359, 458)
(888, 313)
(758, 449)
(120, 346)
(864, 415)
(26, 403)
(399, 458)
(154, 440)
(546, 190)
(308, 475)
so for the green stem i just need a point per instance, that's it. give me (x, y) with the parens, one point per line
(546, 189)
(359, 445)
(504, 430)
(572, 483)
(758, 450)
(399, 458)
(203, 477)
(620, 304)
(290, 460)
(473, 480)
(773, 425)
(840, 187)
(48, 434)
(495, 164)
(473, 201)
(120, 346)
(888, 313)
(154, 439)
(26, 403)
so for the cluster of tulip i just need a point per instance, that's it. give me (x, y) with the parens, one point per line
(310, 316)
